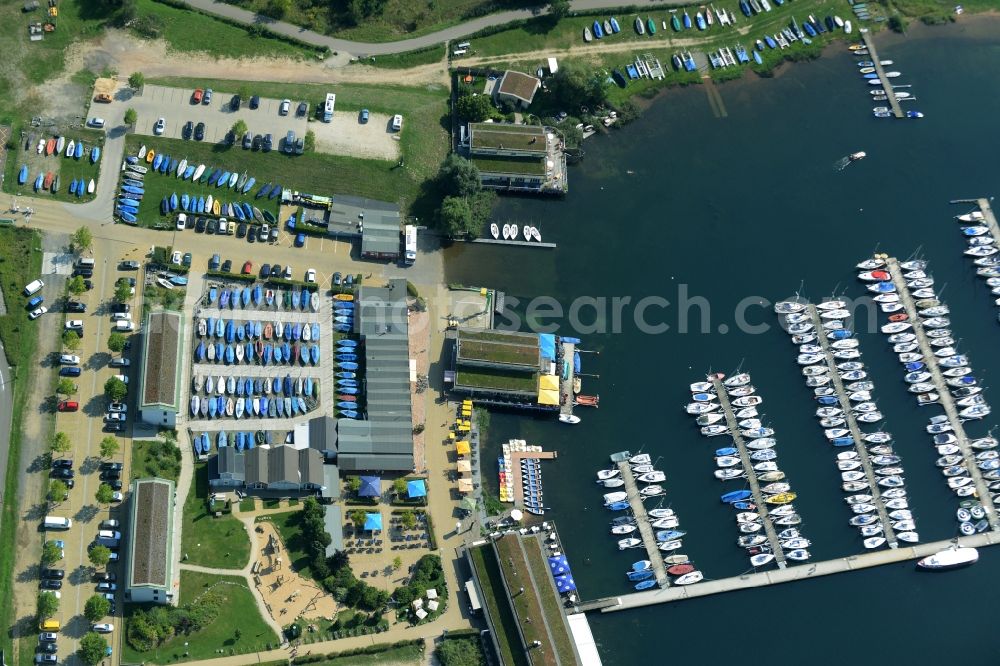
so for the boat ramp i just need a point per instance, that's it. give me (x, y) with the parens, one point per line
(788, 575)
(642, 520)
(894, 105)
(758, 496)
(852, 425)
(947, 401)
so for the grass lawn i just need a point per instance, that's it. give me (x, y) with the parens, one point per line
(408, 654)
(424, 139)
(239, 610)
(151, 458)
(20, 262)
(221, 543)
(68, 169)
(488, 573)
(407, 59)
(192, 31)
(550, 600)
(500, 353)
(248, 504)
(485, 378)
(526, 605)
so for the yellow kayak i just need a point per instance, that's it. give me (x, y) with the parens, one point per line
(781, 498)
(216, 207)
(149, 156)
(344, 297)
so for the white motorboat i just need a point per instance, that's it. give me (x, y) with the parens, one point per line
(737, 380)
(693, 407)
(652, 491)
(629, 542)
(689, 578)
(670, 545)
(619, 496)
(607, 474)
(642, 469)
(909, 536)
(950, 558)
(623, 529)
(799, 554)
(652, 477)
(506, 232)
(612, 483)
(760, 559)
(665, 523)
(661, 513)
(514, 231)
(874, 542)
(731, 473)
(495, 230)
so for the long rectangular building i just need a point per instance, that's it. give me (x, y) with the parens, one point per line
(159, 385)
(150, 542)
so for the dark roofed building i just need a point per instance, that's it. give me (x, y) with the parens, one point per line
(227, 469)
(278, 469)
(377, 222)
(150, 542)
(159, 387)
(517, 88)
(323, 435)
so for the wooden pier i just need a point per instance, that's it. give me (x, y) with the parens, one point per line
(566, 379)
(653, 552)
(518, 243)
(758, 496)
(778, 576)
(988, 217)
(852, 425)
(897, 110)
(515, 463)
(943, 390)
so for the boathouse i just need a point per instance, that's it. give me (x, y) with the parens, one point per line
(518, 158)
(517, 89)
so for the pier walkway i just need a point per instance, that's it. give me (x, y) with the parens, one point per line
(791, 574)
(852, 425)
(758, 496)
(897, 110)
(516, 243)
(989, 219)
(645, 529)
(516, 457)
(946, 399)
(566, 375)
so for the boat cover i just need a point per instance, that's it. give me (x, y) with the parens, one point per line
(547, 346)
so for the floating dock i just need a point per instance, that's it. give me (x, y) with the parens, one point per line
(566, 376)
(946, 399)
(989, 219)
(645, 529)
(758, 496)
(897, 110)
(778, 576)
(516, 457)
(518, 243)
(852, 425)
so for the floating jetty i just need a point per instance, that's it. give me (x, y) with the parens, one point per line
(642, 520)
(852, 425)
(518, 243)
(897, 110)
(788, 575)
(946, 399)
(758, 496)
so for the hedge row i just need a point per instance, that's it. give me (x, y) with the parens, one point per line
(232, 276)
(369, 649)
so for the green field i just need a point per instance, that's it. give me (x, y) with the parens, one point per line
(485, 378)
(220, 543)
(20, 262)
(239, 612)
(67, 168)
(424, 141)
(192, 31)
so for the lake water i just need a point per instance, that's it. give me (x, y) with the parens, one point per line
(684, 205)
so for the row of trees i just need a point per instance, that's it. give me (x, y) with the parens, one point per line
(150, 627)
(465, 205)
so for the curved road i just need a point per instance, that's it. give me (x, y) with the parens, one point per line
(362, 49)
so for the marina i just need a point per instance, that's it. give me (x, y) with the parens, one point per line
(642, 521)
(748, 465)
(943, 390)
(895, 108)
(980, 229)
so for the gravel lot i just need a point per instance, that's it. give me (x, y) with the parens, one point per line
(345, 135)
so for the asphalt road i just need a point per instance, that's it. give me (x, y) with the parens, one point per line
(362, 49)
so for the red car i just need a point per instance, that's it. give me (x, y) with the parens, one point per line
(196, 98)
(247, 268)
(68, 406)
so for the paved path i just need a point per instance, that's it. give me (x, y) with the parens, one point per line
(362, 49)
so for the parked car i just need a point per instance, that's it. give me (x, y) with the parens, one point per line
(255, 101)
(247, 268)
(274, 234)
(69, 371)
(96, 122)
(88, 285)
(110, 474)
(311, 275)
(107, 575)
(129, 265)
(68, 406)
(160, 126)
(234, 103)
(186, 259)
(113, 426)
(47, 584)
(257, 141)
(262, 233)
(110, 523)
(113, 466)
(106, 587)
(300, 146)
(268, 142)
(207, 98)
(199, 131)
(75, 306)
(187, 130)
(288, 272)
(213, 226)
(265, 271)
(69, 359)
(53, 573)
(115, 417)
(197, 96)
(247, 140)
(103, 628)
(300, 240)
(175, 258)
(286, 105)
(74, 325)
(199, 225)
(227, 266)
(213, 263)
(276, 270)
(397, 122)
(37, 312)
(120, 362)
(35, 302)
(62, 473)
(62, 463)
(46, 659)
(241, 230)
(289, 146)
(364, 116)
(302, 109)
(337, 278)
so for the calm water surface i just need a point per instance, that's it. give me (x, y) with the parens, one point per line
(751, 205)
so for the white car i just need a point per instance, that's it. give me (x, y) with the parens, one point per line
(286, 104)
(69, 359)
(175, 258)
(288, 272)
(96, 122)
(311, 275)
(74, 325)
(161, 124)
(103, 628)
(37, 312)
(117, 496)
(181, 222)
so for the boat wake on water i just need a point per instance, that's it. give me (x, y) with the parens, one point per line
(843, 162)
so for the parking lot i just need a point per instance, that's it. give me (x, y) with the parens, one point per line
(174, 105)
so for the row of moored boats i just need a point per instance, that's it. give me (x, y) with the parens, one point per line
(830, 356)
(983, 249)
(759, 442)
(513, 232)
(663, 521)
(868, 71)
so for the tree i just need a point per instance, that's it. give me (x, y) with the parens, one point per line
(353, 484)
(475, 108)
(309, 142)
(244, 91)
(397, 563)
(60, 443)
(399, 486)
(277, 8)
(456, 216)
(357, 516)
(459, 652)
(136, 80)
(57, 490)
(76, 285)
(96, 608)
(115, 389)
(574, 87)
(409, 519)
(458, 176)
(123, 292)
(109, 446)
(82, 240)
(71, 340)
(131, 116)
(104, 494)
(65, 387)
(93, 647)
(99, 556)
(558, 9)
(897, 23)
(48, 604)
(51, 553)
(239, 129)
(116, 342)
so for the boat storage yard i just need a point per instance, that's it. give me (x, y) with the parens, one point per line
(915, 323)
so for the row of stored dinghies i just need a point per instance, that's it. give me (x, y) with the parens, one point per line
(830, 356)
(259, 297)
(205, 174)
(946, 364)
(220, 406)
(982, 249)
(251, 343)
(51, 181)
(663, 521)
(759, 442)
(131, 191)
(513, 232)
(239, 440)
